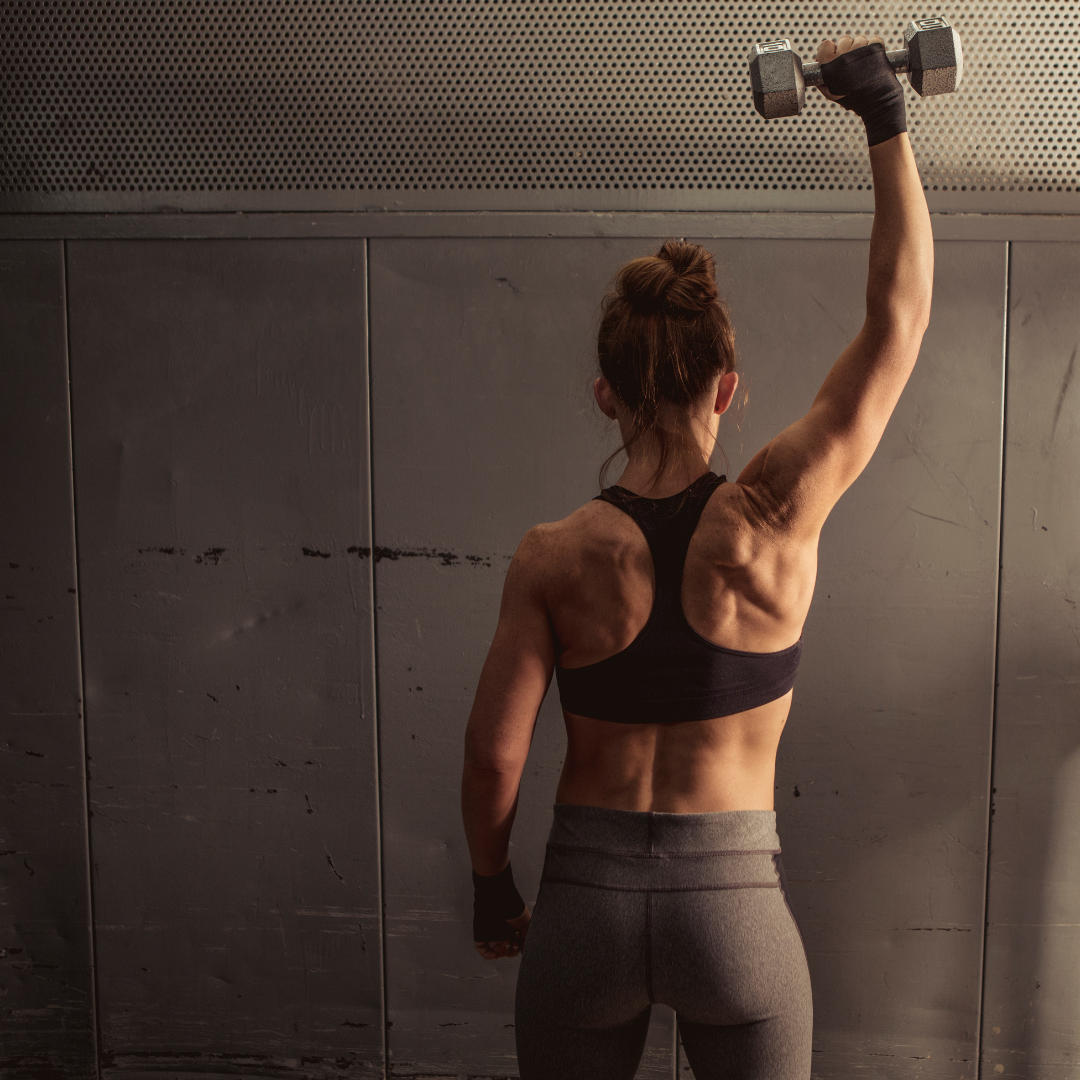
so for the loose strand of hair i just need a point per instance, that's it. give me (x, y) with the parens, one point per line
(637, 433)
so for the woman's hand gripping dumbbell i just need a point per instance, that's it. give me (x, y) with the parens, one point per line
(933, 61)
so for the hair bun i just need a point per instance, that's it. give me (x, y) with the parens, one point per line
(680, 277)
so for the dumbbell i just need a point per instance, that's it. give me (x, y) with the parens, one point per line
(933, 62)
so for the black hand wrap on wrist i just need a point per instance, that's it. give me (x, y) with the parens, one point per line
(871, 90)
(495, 900)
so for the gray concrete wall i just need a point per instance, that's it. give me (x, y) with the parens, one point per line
(290, 551)
(46, 976)
(1032, 1016)
(882, 776)
(220, 426)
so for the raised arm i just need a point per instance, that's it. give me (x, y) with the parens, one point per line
(798, 477)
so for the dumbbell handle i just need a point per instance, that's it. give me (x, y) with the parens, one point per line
(933, 60)
(897, 57)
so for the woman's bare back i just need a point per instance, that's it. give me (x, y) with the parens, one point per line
(579, 590)
(745, 586)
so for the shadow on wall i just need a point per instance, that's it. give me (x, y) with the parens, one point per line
(1060, 990)
(1032, 1010)
(1033, 938)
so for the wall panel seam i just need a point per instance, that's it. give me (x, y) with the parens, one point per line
(82, 677)
(997, 655)
(384, 1011)
(674, 1045)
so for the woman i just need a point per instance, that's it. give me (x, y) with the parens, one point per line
(671, 609)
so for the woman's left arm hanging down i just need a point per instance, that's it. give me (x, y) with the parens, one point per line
(511, 689)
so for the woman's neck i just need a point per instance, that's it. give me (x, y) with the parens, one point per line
(642, 477)
(690, 439)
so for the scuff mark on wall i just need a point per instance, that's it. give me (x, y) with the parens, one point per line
(210, 555)
(446, 558)
(258, 620)
(934, 517)
(845, 332)
(1065, 383)
(933, 467)
(330, 862)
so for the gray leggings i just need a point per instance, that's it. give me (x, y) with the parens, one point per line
(689, 910)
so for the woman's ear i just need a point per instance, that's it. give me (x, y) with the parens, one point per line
(725, 391)
(605, 397)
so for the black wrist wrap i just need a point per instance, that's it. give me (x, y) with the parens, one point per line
(495, 900)
(871, 90)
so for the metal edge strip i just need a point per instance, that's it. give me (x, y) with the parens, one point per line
(509, 224)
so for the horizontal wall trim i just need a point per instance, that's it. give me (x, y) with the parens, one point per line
(779, 225)
(169, 1073)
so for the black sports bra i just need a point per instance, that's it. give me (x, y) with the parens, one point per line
(669, 672)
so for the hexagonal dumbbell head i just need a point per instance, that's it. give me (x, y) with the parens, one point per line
(776, 77)
(935, 62)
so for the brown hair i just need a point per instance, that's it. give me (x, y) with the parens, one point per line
(665, 335)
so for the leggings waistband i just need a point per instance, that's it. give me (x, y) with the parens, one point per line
(642, 851)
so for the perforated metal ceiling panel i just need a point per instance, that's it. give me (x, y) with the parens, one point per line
(201, 105)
